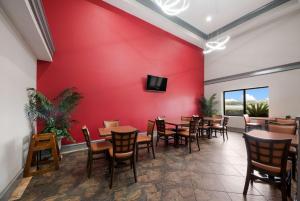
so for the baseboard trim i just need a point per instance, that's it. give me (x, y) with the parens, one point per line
(6, 193)
(70, 148)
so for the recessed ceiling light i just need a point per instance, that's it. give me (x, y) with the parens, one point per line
(208, 18)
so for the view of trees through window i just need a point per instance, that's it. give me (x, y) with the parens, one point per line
(254, 102)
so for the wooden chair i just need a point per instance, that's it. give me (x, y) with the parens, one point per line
(249, 124)
(285, 121)
(111, 123)
(163, 133)
(123, 148)
(287, 129)
(146, 139)
(221, 128)
(94, 149)
(204, 127)
(268, 157)
(191, 134)
(217, 122)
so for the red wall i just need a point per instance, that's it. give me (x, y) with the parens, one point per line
(107, 54)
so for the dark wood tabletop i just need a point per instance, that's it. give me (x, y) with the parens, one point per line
(103, 132)
(273, 136)
(177, 122)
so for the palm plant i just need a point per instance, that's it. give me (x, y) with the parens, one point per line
(258, 109)
(55, 115)
(208, 105)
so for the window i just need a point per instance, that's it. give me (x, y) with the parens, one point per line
(254, 101)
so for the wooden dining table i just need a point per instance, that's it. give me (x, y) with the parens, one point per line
(106, 132)
(210, 121)
(274, 136)
(177, 123)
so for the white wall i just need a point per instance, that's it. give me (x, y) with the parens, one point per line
(273, 42)
(17, 72)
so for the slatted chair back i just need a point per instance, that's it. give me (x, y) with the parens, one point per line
(285, 121)
(123, 142)
(111, 123)
(183, 118)
(285, 129)
(267, 152)
(161, 126)
(87, 137)
(246, 118)
(196, 118)
(150, 128)
(193, 127)
(225, 121)
(217, 117)
(161, 117)
(201, 121)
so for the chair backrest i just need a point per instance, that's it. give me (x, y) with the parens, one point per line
(247, 118)
(217, 117)
(193, 128)
(225, 121)
(183, 118)
(111, 123)
(285, 129)
(285, 121)
(161, 118)
(267, 151)
(150, 128)
(201, 121)
(161, 126)
(196, 118)
(123, 142)
(86, 135)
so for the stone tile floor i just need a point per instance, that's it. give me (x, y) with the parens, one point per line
(216, 173)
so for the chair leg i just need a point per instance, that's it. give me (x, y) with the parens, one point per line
(90, 165)
(190, 144)
(198, 141)
(166, 140)
(153, 153)
(294, 161)
(157, 139)
(148, 147)
(226, 133)
(283, 191)
(112, 172)
(247, 181)
(223, 133)
(88, 162)
(137, 152)
(134, 170)
(289, 188)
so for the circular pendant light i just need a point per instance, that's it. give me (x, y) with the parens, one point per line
(172, 7)
(218, 44)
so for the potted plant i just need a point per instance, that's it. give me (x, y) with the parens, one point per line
(54, 116)
(208, 105)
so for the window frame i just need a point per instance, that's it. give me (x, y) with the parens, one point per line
(244, 99)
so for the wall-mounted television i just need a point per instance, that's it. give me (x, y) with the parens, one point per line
(155, 83)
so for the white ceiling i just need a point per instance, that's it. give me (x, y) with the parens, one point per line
(22, 17)
(221, 11)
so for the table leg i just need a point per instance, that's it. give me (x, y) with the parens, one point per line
(176, 138)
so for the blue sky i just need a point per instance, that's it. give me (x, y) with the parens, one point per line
(252, 94)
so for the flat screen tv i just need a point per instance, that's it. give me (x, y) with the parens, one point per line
(155, 83)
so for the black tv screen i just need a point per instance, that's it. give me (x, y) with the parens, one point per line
(155, 83)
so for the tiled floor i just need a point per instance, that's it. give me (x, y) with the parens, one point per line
(216, 173)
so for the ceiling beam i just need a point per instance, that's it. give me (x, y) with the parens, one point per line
(263, 9)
